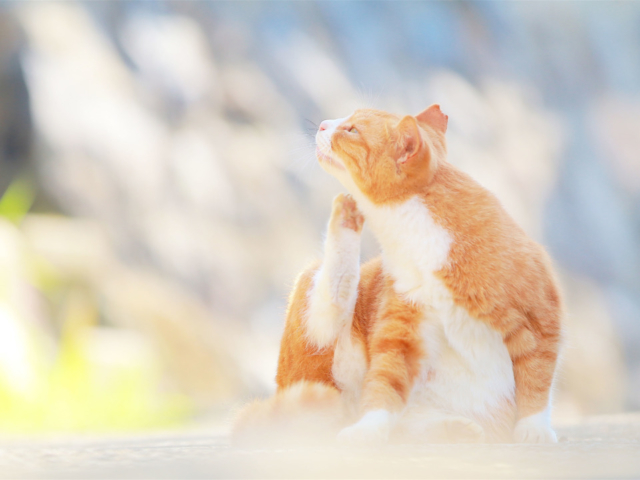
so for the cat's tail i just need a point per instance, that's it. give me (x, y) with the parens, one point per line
(303, 413)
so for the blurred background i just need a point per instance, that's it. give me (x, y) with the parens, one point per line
(159, 191)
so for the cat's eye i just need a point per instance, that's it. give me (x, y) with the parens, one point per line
(353, 130)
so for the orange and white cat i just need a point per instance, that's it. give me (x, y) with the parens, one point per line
(452, 334)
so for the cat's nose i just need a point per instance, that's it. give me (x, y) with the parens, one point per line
(324, 125)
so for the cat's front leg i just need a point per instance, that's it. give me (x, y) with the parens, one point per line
(395, 351)
(334, 293)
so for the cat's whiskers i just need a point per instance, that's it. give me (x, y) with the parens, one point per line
(311, 127)
(303, 152)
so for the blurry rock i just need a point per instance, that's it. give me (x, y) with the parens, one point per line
(122, 348)
(15, 119)
(592, 375)
(23, 335)
(19, 355)
(12, 257)
(196, 197)
(173, 57)
(194, 351)
(99, 135)
(193, 348)
(625, 308)
(78, 248)
(317, 73)
(615, 122)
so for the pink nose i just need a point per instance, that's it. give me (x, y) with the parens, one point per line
(324, 125)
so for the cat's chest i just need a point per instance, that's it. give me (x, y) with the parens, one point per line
(414, 248)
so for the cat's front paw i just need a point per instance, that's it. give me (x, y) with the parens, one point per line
(345, 213)
(534, 430)
(372, 430)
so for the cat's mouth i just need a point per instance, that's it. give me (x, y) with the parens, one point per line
(323, 157)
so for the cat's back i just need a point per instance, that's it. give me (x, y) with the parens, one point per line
(467, 209)
(492, 262)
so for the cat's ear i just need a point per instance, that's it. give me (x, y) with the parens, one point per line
(409, 139)
(434, 117)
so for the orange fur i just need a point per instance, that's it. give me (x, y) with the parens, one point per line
(298, 359)
(306, 412)
(395, 349)
(494, 271)
(511, 285)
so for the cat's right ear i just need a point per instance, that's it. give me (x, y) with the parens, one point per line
(409, 139)
(434, 117)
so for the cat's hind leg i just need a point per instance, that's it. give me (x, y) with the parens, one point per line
(332, 298)
(534, 353)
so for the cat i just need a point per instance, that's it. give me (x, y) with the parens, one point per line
(451, 335)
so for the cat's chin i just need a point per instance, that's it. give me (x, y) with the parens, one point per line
(329, 163)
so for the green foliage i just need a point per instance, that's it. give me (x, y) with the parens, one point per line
(17, 200)
(80, 378)
(78, 394)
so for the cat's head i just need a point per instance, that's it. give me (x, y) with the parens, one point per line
(381, 155)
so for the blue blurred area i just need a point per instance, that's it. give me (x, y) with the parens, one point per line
(515, 77)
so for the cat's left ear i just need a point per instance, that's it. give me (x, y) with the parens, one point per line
(410, 140)
(434, 117)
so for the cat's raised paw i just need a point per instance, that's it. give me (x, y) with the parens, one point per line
(529, 430)
(345, 213)
(371, 431)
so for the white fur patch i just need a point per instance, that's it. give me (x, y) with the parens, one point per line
(323, 146)
(349, 368)
(333, 295)
(325, 135)
(413, 245)
(467, 370)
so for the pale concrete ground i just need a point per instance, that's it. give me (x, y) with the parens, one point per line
(601, 447)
